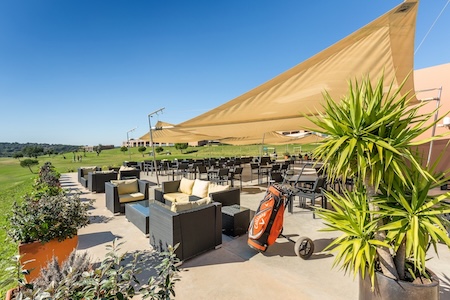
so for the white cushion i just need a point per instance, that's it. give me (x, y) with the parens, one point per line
(186, 186)
(201, 202)
(200, 188)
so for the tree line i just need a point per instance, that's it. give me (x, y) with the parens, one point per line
(33, 149)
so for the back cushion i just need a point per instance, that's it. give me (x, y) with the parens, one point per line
(200, 188)
(186, 186)
(213, 188)
(127, 186)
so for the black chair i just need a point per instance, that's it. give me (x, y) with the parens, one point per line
(254, 169)
(312, 193)
(202, 170)
(222, 176)
(276, 177)
(236, 174)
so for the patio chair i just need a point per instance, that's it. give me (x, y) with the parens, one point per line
(254, 169)
(236, 174)
(202, 172)
(222, 176)
(312, 193)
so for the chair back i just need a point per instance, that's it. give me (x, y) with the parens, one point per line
(223, 172)
(319, 184)
(238, 170)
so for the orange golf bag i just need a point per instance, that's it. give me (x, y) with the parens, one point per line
(267, 224)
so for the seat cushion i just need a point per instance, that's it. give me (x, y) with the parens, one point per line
(126, 186)
(200, 188)
(176, 197)
(186, 186)
(124, 198)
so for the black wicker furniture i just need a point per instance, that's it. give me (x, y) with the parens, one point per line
(120, 192)
(197, 229)
(83, 174)
(235, 220)
(97, 179)
(138, 214)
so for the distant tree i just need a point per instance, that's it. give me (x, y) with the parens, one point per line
(98, 149)
(33, 151)
(49, 152)
(159, 149)
(142, 150)
(181, 146)
(18, 155)
(29, 163)
(124, 149)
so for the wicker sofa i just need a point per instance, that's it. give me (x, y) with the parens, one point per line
(173, 190)
(97, 180)
(197, 230)
(83, 174)
(120, 192)
(190, 217)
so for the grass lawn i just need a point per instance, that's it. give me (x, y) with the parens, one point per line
(16, 181)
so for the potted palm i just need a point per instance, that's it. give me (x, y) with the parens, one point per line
(46, 224)
(388, 220)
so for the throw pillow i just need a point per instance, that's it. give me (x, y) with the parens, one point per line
(128, 186)
(186, 186)
(200, 188)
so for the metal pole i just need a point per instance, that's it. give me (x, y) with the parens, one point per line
(128, 140)
(433, 131)
(151, 141)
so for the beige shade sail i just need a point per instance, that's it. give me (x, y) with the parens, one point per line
(383, 46)
(272, 138)
(167, 133)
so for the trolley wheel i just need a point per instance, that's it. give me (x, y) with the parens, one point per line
(304, 247)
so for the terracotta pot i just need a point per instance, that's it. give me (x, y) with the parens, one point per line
(390, 289)
(41, 254)
(9, 294)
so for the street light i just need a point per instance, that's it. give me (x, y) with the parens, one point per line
(436, 114)
(151, 140)
(128, 140)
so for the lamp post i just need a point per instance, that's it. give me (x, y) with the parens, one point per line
(151, 140)
(128, 140)
(436, 114)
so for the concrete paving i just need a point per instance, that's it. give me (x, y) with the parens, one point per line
(235, 271)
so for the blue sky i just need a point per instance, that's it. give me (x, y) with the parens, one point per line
(85, 72)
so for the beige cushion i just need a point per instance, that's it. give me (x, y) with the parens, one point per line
(125, 168)
(131, 197)
(176, 197)
(177, 207)
(213, 188)
(86, 171)
(127, 186)
(200, 188)
(186, 186)
(201, 202)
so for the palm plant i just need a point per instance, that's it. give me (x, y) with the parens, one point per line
(386, 220)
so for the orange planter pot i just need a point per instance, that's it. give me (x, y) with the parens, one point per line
(41, 254)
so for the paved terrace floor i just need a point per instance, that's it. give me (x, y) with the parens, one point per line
(235, 271)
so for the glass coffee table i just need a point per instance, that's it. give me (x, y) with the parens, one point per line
(138, 214)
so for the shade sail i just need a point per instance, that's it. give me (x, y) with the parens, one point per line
(383, 46)
(272, 138)
(167, 133)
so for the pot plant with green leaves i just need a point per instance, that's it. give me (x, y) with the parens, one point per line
(46, 224)
(388, 220)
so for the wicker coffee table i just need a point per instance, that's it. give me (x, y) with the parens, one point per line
(138, 214)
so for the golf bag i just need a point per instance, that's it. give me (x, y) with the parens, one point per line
(267, 223)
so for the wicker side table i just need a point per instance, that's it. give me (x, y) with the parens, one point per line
(235, 220)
